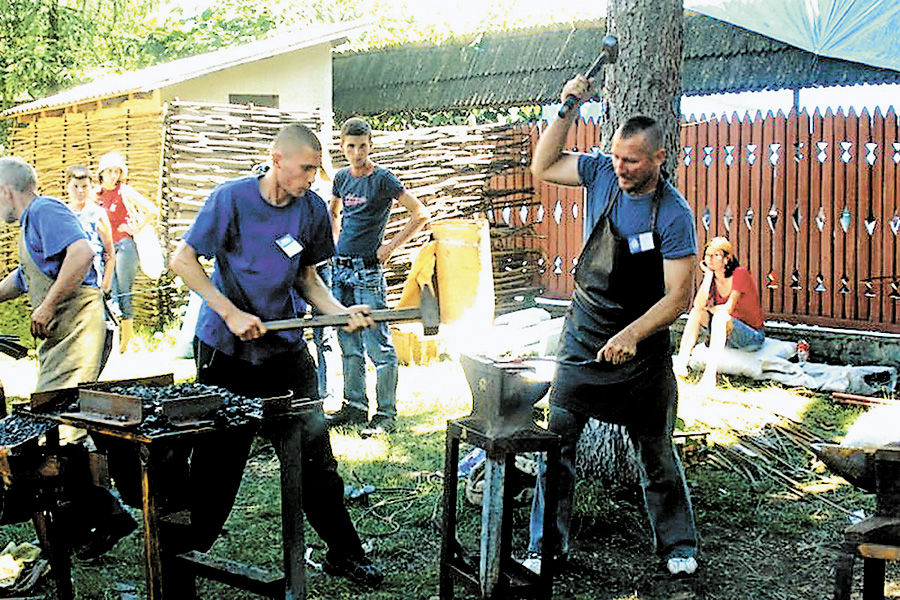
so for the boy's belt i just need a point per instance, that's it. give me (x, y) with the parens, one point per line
(347, 261)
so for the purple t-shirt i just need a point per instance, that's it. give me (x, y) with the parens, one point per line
(259, 250)
(366, 207)
(50, 227)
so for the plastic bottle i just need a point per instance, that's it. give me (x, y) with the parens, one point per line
(802, 351)
(469, 462)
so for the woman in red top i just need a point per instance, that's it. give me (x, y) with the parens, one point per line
(128, 211)
(726, 303)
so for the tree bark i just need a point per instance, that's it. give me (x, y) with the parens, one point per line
(645, 80)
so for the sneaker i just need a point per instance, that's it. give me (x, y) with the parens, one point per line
(347, 415)
(379, 425)
(532, 562)
(681, 565)
(103, 538)
(359, 570)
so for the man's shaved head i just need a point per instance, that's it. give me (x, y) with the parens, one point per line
(295, 136)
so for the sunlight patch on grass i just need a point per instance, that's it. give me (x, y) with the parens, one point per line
(352, 448)
(740, 408)
(822, 487)
(436, 426)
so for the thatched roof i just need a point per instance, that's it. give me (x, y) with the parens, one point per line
(529, 67)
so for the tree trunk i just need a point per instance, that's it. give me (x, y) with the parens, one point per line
(645, 80)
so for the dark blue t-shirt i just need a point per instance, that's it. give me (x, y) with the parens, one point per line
(631, 214)
(256, 264)
(50, 227)
(366, 207)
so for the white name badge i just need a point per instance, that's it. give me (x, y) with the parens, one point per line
(289, 245)
(641, 242)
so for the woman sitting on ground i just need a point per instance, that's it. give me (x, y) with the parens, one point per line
(727, 304)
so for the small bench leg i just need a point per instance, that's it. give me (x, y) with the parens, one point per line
(843, 576)
(873, 579)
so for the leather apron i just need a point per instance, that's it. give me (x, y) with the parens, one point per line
(614, 287)
(71, 354)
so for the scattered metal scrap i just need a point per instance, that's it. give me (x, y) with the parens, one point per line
(764, 453)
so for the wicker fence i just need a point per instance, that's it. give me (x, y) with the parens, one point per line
(54, 143)
(447, 168)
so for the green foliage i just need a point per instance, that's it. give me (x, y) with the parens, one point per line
(227, 23)
(15, 319)
(47, 46)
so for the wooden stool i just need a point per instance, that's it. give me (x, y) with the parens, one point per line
(876, 540)
(498, 574)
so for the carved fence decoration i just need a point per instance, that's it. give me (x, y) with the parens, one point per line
(810, 201)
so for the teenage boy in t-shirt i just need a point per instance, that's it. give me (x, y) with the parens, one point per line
(362, 197)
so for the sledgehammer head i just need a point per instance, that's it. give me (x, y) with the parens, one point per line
(609, 53)
(429, 311)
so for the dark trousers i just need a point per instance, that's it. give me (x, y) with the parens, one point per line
(323, 488)
(666, 495)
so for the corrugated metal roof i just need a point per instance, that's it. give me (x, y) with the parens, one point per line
(184, 69)
(530, 67)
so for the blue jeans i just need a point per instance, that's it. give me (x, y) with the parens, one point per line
(323, 337)
(744, 337)
(666, 496)
(126, 270)
(358, 284)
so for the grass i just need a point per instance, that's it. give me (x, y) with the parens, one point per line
(745, 514)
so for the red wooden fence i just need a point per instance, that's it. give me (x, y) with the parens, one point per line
(810, 201)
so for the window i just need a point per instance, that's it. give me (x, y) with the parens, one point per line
(267, 100)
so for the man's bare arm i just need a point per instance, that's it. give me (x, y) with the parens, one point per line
(418, 216)
(678, 275)
(314, 291)
(335, 207)
(8, 287)
(549, 162)
(186, 265)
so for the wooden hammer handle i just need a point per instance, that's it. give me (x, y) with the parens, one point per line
(395, 315)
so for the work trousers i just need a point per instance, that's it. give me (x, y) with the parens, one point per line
(323, 488)
(666, 495)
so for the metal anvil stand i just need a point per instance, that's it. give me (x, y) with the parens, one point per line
(171, 576)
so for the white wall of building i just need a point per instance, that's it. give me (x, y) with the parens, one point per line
(301, 79)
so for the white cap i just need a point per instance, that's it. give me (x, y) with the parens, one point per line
(112, 160)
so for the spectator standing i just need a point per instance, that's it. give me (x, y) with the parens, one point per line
(128, 212)
(96, 225)
(362, 197)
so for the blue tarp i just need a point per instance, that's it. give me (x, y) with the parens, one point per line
(863, 31)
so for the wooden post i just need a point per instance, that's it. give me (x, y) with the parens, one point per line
(288, 440)
(491, 521)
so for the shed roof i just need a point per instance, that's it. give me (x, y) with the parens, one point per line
(184, 69)
(530, 66)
